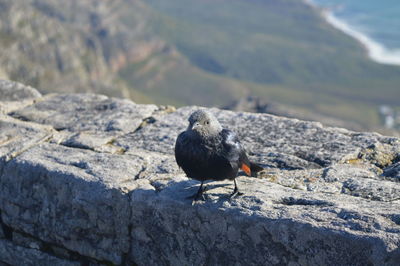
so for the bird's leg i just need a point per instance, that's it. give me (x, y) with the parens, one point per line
(199, 193)
(236, 191)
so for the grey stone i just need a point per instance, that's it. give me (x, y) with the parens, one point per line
(380, 154)
(60, 252)
(26, 241)
(97, 141)
(13, 91)
(372, 189)
(328, 196)
(93, 120)
(273, 141)
(87, 112)
(14, 95)
(298, 221)
(355, 180)
(285, 161)
(72, 197)
(393, 172)
(270, 224)
(17, 255)
(17, 136)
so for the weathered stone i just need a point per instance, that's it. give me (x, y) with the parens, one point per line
(355, 180)
(362, 181)
(14, 95)
(393, 172)
(380, 154)
(13, 91)
(372, 189)
(17, 136)
(97, 141)
(270, 224)
(75, 198)
(94, 120)
(286, 161)
(60, 252)
(328, 196)
(17, 255)
(25, 241)
(282, 143)
(273, 141)
(87, 112)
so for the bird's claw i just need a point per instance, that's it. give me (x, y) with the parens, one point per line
(199, 196)
(236, 193)
(195, 200)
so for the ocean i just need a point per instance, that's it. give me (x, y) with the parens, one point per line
(375, 23)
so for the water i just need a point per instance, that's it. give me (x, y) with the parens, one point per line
(376, 23)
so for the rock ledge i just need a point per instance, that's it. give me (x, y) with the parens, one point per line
(87, 179)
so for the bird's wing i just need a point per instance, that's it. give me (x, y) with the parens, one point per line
(234, 151)
(179, 149)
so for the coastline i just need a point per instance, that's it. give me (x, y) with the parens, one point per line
(376, 51)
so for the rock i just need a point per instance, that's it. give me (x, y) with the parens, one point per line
(25, 241)
(93, 121)
(271, 224)
(94, 179)
(380, 154)
(17, 136)
(72, 197)
(14, 95)
(276, 142)
(86, 113)
(269, 139)
(393, 172)
(15, 92)
(17, 255)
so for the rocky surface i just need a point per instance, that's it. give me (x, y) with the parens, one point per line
(87, 179)
(15, 95)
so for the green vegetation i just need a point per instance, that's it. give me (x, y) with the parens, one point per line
(280, 50)
(170, 79)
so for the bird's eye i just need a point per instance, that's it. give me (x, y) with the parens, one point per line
(207, 122)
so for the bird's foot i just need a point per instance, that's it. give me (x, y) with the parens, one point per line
(196, 200)
(198, 196)
(236, 193)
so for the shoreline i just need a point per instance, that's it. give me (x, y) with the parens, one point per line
(376, 51)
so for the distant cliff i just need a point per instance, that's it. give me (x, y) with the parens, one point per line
(72, 46)
(90, 180)
(207, 53)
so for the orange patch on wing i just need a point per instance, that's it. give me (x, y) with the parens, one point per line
(246, 169)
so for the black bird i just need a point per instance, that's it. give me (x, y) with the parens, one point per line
(206, 151)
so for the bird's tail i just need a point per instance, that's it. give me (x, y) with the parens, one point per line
(251, 169)
(255, 168)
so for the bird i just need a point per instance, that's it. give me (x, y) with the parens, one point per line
(207, 151)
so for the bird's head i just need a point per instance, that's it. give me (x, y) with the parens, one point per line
(204, 123)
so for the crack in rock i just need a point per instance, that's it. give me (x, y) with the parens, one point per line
(310, 202)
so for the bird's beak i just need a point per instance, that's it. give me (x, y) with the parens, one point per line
(195, 126)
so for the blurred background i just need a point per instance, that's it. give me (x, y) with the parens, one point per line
(333, 61)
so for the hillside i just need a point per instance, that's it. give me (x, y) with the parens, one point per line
(282, 50)
(208, 53)
(69, 45)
